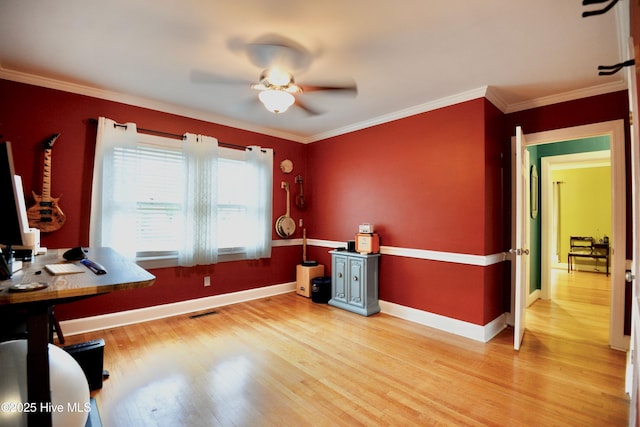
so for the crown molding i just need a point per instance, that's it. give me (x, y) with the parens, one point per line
(492, 94)
(567, 96)
(142, 102)
(401, 114)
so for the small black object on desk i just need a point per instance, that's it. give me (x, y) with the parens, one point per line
(94, 266)
(75, 254)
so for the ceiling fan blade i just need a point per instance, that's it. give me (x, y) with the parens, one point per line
(307, 109)
(206, 77)
(275, 50)
(350, 90)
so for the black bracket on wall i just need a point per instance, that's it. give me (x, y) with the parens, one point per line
(602, 11)
(607, 70)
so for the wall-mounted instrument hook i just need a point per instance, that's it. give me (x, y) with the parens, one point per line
(602, 11)
(607, 70)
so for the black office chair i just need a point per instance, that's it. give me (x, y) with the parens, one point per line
(54, 326)
(14, 325)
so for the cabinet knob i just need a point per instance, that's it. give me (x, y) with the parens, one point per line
(355, 278)
(339, 275)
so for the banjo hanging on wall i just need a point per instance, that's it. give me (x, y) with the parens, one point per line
(45, 214)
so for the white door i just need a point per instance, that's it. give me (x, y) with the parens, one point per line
(520, 246)
(633, 370)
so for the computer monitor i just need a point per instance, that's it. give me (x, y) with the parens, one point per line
(13, 214)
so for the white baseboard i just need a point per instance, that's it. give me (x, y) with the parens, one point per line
(533, 297)
(454, 326)
(113, 320)
(123, 318)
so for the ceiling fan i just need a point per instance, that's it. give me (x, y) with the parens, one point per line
(277, 89)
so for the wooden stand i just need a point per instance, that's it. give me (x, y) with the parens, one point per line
(304, 275)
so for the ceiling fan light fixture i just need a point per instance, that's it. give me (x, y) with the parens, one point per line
(276, 77)
(276, 100)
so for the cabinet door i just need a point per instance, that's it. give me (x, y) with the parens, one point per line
(339, 288)
(356, 282)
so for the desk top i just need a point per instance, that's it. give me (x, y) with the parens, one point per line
(121, 274)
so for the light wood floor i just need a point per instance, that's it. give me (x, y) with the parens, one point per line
(285, 361)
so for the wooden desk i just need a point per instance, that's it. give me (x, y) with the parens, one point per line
(122, 274)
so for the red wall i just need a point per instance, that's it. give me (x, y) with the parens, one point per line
(420, 180)
(428, 182)
(433, 181)
(29, 114)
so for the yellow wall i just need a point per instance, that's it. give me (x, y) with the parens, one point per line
(585, 204)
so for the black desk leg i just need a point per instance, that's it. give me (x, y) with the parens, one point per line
(38, 382)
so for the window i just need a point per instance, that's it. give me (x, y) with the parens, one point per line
(232, 202)
(160, 197)
(159, 187)
(145, 211)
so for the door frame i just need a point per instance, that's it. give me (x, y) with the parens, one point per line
(614, 129)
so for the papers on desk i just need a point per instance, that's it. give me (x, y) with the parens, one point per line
(64, 268)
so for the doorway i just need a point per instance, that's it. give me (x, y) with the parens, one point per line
(579, 189)
(615, 131)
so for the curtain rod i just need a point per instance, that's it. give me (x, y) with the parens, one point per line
(176, 136)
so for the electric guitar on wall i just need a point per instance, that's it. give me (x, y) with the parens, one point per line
(45, 214)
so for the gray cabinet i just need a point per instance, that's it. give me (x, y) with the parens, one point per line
(354, 282)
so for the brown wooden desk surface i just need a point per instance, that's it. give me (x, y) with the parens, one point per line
(121, 274)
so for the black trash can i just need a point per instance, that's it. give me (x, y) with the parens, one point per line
(89, 356)
(321, 289)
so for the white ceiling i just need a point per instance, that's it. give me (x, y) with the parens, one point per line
(406, 56)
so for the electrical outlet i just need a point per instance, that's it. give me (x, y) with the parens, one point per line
(207, 280)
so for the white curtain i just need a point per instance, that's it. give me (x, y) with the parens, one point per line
(114, 197)
(555, 225)
(112, 218)
(200, 243)
(259, 163)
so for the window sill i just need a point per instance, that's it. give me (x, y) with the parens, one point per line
(172, 260)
